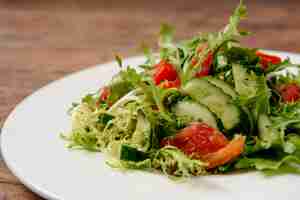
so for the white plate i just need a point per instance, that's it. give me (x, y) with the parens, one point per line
(34, 152)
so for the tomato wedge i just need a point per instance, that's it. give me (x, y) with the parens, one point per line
(203, 142)
(289, 92)
(165, 75)
(266, 59)
(227, 153)
(164, 71)
(197, 140)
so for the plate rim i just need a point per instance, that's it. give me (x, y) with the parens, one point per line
(37, 190)
(9, 119)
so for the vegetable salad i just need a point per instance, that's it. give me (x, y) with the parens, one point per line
(204, 105)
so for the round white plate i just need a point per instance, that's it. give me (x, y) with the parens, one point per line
(34, 152)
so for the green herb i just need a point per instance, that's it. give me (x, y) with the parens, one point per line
(119, 61)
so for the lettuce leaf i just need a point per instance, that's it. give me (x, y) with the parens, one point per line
(266, 164)
(175, 164)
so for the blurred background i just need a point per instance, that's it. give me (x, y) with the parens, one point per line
(41, 41)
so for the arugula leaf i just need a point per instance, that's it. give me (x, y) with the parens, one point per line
(252, 89)
(239, 14)
(245, 57)
(262, 103)
(165, 43)
(119, 60)
(215, 41)
(157, 95)
(150, 62)
(282, 118)
(281, 66)
(166, 34)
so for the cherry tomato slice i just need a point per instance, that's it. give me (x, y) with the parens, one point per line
(289, 92)
(266, 59)
(197, 140)
(164, 71)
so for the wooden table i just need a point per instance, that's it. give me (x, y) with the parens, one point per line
(41, 41)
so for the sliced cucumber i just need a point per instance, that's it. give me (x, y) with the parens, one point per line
(195, 111)
(216, 101)
(129, 153)
(223, 85)
(142, 134)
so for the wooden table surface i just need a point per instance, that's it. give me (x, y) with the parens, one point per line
(41, 41)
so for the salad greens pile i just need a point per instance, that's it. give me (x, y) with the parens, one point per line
(203, 105)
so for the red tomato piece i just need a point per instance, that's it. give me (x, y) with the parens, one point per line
(164, 71)
(227, 153)
(170, 84)
(104, 93)
(266, 59)
(197, 140)
(289, 92)
(206, 66)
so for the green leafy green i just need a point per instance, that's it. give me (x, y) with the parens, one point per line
(126, 165)
(176, 164)
(215, 41)
(281, 66)
(150, 62)
(267, 164)
(131, 125)
(119, 61)
(166, 41)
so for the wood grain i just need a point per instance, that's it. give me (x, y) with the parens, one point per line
(41, 41)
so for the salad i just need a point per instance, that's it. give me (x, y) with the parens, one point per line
(205, 105)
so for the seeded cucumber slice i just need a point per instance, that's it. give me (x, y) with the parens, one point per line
(195, 111)
(223, 85)
(216, 100)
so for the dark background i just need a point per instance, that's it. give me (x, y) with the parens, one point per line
(42, 40)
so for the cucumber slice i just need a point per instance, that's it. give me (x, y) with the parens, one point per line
(195, 111)
(223, 85)
(129, 153)
(216, 101)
